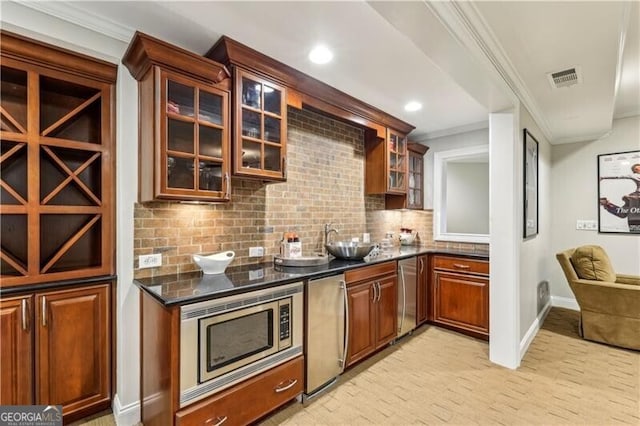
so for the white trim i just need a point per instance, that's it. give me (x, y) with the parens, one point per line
(69, 12)
(627, 114)
(582, 138)
(533, 330)
(464, 19)
(565, 302)
(439, 195)
(454, 131)
(126, 415)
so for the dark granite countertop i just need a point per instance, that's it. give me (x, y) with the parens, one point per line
(193, 287)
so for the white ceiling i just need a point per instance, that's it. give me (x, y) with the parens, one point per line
(388, 53)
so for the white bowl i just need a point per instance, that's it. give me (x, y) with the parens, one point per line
(214, 263)
(407, 238)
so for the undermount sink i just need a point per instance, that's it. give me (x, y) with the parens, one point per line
(319, 259)
(349, 250)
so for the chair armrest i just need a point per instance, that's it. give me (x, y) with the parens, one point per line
(627, 279)
(608, 298)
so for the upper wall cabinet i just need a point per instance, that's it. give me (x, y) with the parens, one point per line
(260, 129)
(184, 122)
(259, 116)
(57, 163)
(387, 167)
(415, 186)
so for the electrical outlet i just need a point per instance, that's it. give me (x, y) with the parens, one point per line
(149, 260)
(587, 225)
(256, 251)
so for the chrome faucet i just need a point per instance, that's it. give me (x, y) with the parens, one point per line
(327, 230)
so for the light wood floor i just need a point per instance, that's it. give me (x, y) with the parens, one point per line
(438, 376)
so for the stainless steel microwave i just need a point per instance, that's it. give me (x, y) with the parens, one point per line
(227, 340)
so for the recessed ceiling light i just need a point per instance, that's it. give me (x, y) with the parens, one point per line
(320, 55)
(413, 106)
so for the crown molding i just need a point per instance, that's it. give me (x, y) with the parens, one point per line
(454, 131)
(582, 138)
(466, 24)
(75, 15)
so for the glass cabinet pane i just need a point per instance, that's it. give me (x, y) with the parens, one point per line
(272, 129)
(180, 173)
(210, 141)
(251, 154)
(251, 124)
(180, 98)
(402, 145)
(210, 176)
(272, 100)
(210, 108)
(272, 158)
(180, 136)
(251, 93)
(13, 98)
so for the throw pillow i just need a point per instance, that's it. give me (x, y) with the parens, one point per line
(592, 263)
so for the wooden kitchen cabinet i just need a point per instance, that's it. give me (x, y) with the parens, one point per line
(460, 294)
(259, 112)
(260, 131)
(57, 164)
(247, 401)
(60, 341)
(372, 294)
(422, 294)
(415, 188)
(184, 122)
(16, 350)
(387, 167)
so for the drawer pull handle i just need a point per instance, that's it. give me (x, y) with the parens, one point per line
(279, 389)
(219, 419)
(460, 266)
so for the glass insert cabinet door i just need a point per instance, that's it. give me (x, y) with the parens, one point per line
(195, 140)
(398, 164)
(260, 132)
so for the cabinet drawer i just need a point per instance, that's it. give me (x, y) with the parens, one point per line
(369, 272)
(461, 264)
(249, 400)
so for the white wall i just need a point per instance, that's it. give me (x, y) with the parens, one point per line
(536, 256)
(446, 143)
(467, 197)
(29, 22)
(575, 196)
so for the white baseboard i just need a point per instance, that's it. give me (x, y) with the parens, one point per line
(565, 302)
(533, 330)
(126, 415)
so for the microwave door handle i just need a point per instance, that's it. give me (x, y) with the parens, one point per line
(345, 346)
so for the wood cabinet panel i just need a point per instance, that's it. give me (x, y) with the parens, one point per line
(422, 294)
(73, 348)
(462, 301)
(370, 272)
(362, 322)
(16, 349)
(244, 403)
(386, 315)
(460, 264)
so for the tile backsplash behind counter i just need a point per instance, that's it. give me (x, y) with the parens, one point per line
(325, 183)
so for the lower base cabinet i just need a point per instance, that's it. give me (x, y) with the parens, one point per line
(460, 294)
(56, 350)
(248, 401)
(372, 295)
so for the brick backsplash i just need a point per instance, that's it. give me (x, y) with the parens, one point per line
(325, 183)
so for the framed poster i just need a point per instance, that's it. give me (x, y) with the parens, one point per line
(530, 167)
(619, 193)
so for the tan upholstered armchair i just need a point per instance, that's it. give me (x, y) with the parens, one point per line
(609, 302)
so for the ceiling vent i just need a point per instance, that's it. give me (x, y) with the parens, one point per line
(565, 78)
